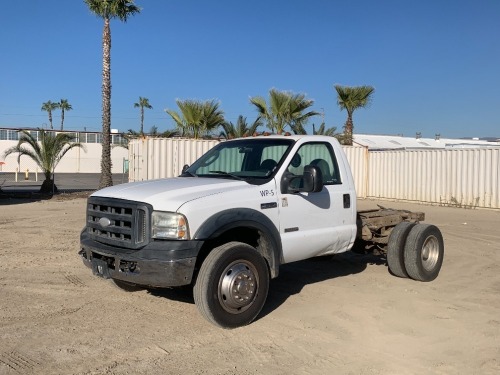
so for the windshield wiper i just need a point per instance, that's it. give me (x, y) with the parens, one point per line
(227, 174)
(191, 174)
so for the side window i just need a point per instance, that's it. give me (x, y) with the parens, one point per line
(270, 157)
(320, 155)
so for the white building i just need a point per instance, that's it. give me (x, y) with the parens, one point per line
(395, 142)
(77, 160)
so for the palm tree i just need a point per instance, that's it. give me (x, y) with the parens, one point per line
(197, 118)
(323, 130)
(241, 129)
(107, 10)
(63, 105)
(153, 132)
(350, 99)
(169, 134)
(285, 109)
(46, 154)
(142, 103)
(50, 106)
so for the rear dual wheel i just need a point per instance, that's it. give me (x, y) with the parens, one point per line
(416, 251)
(424, 252)
(396, 248)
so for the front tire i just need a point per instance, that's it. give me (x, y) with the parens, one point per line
(232, 285)
(424, 252)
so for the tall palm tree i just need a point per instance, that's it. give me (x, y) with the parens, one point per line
(107, 10)
(50, 106)
(241, 129)
(64, 106)
(46, 153)
(142, 103)
(284, 109)
(350, 99)
(197, 118)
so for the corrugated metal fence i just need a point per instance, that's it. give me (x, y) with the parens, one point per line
(151, 158)
(462, 177)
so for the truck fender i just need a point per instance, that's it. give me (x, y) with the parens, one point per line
(226, 220)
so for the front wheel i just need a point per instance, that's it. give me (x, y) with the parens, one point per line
(232, 285)
(424, 252)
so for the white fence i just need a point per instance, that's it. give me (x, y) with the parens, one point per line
(151, 158)
(463, 177)
(460, 177)
(358, 160)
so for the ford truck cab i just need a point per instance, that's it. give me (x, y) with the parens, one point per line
(227, 223)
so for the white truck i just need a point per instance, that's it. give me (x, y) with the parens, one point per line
(232, 218)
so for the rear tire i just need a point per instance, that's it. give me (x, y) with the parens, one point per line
(424, 252)
(232, 285)
(396, 248)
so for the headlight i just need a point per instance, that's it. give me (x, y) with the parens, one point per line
(169, 225)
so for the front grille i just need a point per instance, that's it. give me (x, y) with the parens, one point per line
(118, 222)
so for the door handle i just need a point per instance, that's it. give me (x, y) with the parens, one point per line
(347, 201)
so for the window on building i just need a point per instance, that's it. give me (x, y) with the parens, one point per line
(12, 135)
(34, 134)
(91, 138)
(76, 136)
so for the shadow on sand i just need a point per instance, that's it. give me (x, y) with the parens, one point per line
(28, 196)
(20, 197)
(293, 278)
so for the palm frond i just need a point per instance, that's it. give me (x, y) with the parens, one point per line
(284, 109)
(197, 118)
(108, 9)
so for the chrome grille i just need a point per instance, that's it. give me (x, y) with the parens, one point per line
(118, 222)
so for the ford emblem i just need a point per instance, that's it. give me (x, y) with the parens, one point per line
(104, 222)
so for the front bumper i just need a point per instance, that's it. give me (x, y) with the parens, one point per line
(158, 264)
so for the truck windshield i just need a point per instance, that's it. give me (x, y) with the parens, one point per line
(242, 159)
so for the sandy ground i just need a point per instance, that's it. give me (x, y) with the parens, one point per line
(335, 315)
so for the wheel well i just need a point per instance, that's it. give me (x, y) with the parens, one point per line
(250, 236)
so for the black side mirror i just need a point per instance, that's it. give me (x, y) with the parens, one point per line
(313, 179)
(310, 182)
(184, 169)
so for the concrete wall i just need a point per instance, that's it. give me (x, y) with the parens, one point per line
(75, 161)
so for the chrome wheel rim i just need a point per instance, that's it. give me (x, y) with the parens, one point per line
(430, 253)
(238, 286)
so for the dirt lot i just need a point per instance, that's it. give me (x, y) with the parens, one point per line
(336, 315)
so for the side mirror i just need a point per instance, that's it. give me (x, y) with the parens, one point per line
(313, 179)
(310, 182)
(184, 169)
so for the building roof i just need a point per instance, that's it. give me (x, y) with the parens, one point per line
(395, 142)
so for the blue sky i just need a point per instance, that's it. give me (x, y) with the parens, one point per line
(435, 64)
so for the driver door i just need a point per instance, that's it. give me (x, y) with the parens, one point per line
(313, 224)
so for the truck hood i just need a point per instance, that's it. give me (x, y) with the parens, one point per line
(170, 193)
